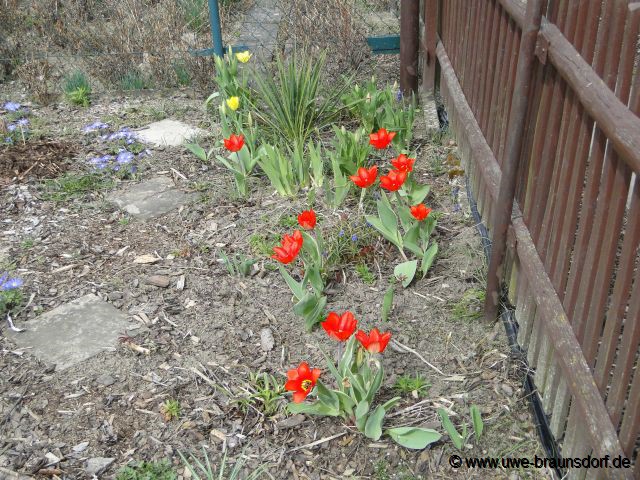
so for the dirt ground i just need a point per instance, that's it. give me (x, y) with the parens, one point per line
(204, 338)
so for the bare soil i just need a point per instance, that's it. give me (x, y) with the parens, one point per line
(204, 338)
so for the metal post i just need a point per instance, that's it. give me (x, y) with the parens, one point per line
(429, 48)
(216, 33)
(409, 41)
(504, 206)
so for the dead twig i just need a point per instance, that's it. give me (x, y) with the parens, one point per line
(317, 442)
(411, 350)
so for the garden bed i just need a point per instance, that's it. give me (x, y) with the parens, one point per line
(210, 335)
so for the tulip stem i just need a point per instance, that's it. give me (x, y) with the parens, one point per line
(404, 255)
(361, 203)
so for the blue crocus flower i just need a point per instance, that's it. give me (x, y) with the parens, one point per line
(124, 157)
(92, 127)
(7, 283)
(354, 238)
(12, 106)
(23, 122)
(341, 233)
(399, 95)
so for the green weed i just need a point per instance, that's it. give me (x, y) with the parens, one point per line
(71, 186)
(171, 409)
(416, 386)
(470, 305)
(147, 471)
(264, 393)
(202, 469)
(365, 274)
(77, 89)
(262, 244)
(133, 80)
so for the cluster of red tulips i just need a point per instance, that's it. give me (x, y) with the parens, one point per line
(301, 380)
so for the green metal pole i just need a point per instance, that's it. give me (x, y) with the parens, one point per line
(216, 33)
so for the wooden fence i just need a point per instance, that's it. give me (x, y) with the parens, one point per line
(543, 98)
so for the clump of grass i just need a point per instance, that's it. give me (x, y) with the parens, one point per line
(349, 243)
(365, 274)
(194, 14)
(469, 306)
(70, 186)
(291, 104)
(77, 88)
(170, 409)
(264, 393)
(202, 469)
(182, 74)
(134, 80)
(262, 244)
(148, 471)
(416, 385)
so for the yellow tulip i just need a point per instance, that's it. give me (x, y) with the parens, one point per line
(243, 56)
(233, 103)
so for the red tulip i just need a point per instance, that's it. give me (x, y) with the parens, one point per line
(365, 178)
(289, 249)
(403, 163)
(307, 219)
(234, 143)
(420, 212)
(393, 180)
(375, 342)
(340, 327)
(381, 139)
(301, 381)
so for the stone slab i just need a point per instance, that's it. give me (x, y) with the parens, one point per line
(168, 132)
(430, 110)
(73, 332)
(151, 198)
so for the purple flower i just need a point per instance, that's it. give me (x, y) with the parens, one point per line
(12, 127)
(23, 122)
(8, 140)
(124, 157)
(92, 127)
(354, 238)
(7, 283)
(12, 106)
(341, 233)
(399, 95)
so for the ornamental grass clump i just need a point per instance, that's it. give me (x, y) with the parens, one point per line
(358, 376)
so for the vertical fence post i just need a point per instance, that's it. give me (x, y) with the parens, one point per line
(409, 41)
(216, 33)
(430, 40)
(504, 205)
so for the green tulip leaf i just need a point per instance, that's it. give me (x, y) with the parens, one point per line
(373, 427)
(405, 272)
(413, 437)
(427, 258)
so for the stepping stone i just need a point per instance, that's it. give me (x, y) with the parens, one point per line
(150, 199)
(168, 132)
(73, 332)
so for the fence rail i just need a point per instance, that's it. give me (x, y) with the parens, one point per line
(543, 98)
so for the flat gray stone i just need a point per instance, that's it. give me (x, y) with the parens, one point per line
(97, 465)
(150, 199)
(168, 132)
(73, 332)
(432, 124)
